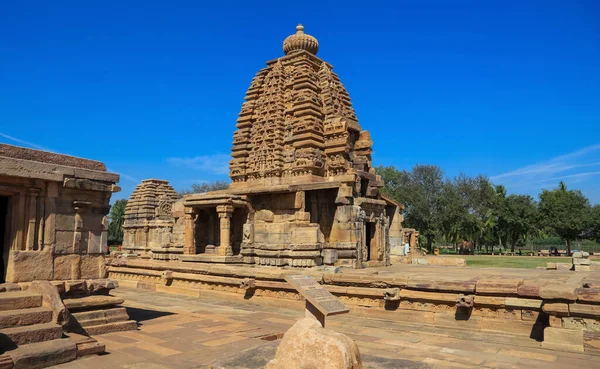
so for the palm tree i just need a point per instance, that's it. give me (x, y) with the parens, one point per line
(117, 217)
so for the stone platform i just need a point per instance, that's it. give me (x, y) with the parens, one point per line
(197, 333)
(560, 309)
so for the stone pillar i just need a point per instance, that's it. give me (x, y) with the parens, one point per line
(50, 210)
(225, 212)
(32, 199)
(190, 246)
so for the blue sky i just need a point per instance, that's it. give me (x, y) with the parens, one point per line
(509, 89)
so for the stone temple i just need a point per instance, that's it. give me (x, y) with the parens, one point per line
(303, 192)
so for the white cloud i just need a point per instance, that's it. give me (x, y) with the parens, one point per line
(215, 164)
(572, 167)
(26, 143)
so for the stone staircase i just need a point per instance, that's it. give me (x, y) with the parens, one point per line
(30, 336)
(98, 314)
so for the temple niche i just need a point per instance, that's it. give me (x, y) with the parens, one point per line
(303, 192)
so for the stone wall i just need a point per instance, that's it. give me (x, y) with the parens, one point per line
(561, 312)
(57, 211)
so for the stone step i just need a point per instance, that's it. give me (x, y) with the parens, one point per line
(29, 334)
(91, 302)
(110, 315)
(19, 300)
(127, 325)
(13, 318)
(43, 354)
(86, 345)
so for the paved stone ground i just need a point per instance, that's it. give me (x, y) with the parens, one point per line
(186, 332)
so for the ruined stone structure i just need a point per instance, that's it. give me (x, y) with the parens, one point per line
(55, 211)
(149, 221)
(303, 190)
(53, 232)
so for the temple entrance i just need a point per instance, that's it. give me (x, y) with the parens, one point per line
(4, 237)
(321, 206)
(207, 231)
(370, 243)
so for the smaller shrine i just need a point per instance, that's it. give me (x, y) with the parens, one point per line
(150, 221)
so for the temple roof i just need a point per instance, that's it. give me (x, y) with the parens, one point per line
(297, 123)
(151, 199)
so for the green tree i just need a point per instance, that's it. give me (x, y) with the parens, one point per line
(204, 187)
(477, 197)
(596, 222)
(116, 217)
(420, 190)
(566, 212)
(518, 219)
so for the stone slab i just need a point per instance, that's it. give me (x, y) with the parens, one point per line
(317, 295)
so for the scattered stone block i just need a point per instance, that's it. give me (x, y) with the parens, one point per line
(308, 345)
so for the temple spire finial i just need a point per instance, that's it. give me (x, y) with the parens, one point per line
(300, 41)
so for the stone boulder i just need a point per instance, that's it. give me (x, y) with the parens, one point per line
(307, 345)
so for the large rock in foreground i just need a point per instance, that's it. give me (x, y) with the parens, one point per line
(309, 346)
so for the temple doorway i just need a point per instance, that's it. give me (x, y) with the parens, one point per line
(4, 239)
(369, 239)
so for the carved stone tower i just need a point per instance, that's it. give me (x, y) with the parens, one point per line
(297, 123)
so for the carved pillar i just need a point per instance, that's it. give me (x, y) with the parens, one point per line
(190, 246)
(225, 212)
(32, 199)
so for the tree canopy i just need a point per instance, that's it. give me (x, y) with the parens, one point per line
(474, 209)
(204, 187)
(566, 212)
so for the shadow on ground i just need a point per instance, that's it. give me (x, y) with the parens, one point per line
(258, 357)
(140, 315)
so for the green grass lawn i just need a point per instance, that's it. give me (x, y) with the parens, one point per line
(527, 262)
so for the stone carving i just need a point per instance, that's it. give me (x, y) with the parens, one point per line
(465, 301)
(391, 294)
(297, 120)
